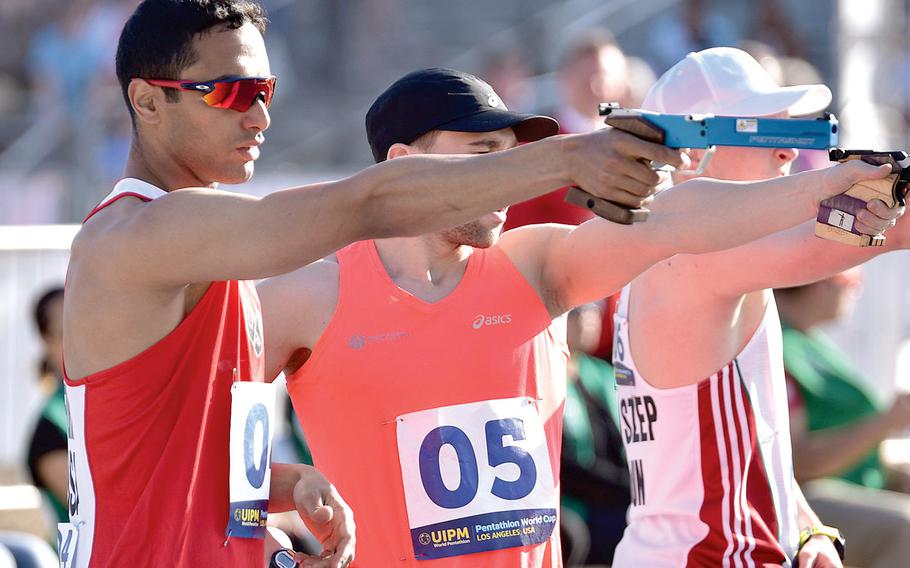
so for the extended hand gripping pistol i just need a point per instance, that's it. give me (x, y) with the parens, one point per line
(704, 131)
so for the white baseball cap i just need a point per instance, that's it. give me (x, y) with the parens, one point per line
(726, 81)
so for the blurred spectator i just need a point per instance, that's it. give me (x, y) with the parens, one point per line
(837, 426)
(48, 320)
(640, 78)
(47, 452)
(64, 58)
(788, 71)
(690, 26)
(771, 24)
(79, 124)
(591, 70)
(9, 95)
(594, 476)
(767, 56)
(509, 73)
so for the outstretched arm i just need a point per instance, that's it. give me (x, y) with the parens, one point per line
(572, 266)
(201, 235)
(796, 256)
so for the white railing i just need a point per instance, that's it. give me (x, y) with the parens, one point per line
(32, 259)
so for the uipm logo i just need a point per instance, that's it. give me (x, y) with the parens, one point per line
(481, 320)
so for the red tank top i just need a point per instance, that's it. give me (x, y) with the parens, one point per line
(149, 437)
(437, 422)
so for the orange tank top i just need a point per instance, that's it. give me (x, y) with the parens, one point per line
(440, 423)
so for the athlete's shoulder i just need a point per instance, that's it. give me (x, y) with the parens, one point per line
(311, 282)
(105, 228)
(531, 243)
(297, 306)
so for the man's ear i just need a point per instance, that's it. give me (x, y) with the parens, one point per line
(146, 101)
(398, 150)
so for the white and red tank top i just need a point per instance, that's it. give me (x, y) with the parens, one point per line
(149, 437)
(440, 423)
(710, 463)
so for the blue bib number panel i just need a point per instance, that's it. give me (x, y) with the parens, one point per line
(477, 477)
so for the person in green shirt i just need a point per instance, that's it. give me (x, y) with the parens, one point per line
(837, 426)
(594, 476)
(47, 453)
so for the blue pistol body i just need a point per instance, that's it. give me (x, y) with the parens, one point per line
(705, 131)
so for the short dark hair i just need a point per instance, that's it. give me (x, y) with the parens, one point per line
(157, 40)
(426, 141)
(42, 308)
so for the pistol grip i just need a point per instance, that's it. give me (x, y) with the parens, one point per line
(837, 215)
(635, 125)
(639, 126)
(606, 209)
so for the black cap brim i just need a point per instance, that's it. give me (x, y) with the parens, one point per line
(527, 127)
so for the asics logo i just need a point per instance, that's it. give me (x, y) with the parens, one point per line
(481, 320)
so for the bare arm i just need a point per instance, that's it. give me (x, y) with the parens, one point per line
(296, 309)
(53, 469)
(597, 258)
(200, 235)
(796, 256)
(831, 451)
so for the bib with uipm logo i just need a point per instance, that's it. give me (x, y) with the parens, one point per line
(252, 426)
(476, 477)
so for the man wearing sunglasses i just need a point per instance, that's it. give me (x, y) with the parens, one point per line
(428, 372)
(169, 426)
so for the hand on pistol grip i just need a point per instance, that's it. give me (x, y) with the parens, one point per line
(836, 219)
(618, 213)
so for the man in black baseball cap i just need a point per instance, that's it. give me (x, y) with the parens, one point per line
(442, 356)
(445, 99)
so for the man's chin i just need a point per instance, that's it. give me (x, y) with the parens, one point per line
(484, 243)
(238, 176)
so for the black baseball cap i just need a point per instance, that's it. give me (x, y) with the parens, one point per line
(444, 99)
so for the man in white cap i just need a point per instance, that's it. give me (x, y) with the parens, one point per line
(698, 362)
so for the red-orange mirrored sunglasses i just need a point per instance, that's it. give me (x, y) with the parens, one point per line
(235, 93)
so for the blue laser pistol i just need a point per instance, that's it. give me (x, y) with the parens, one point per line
(705, 131)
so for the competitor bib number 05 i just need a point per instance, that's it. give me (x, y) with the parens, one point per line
(477, 477)
(252, 425)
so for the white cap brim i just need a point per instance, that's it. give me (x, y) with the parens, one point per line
(798, 101)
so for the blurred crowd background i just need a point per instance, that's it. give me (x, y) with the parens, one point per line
(65, 132)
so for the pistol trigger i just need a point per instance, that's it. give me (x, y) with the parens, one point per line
(901, 185)
(709, 153)
(900, 192)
